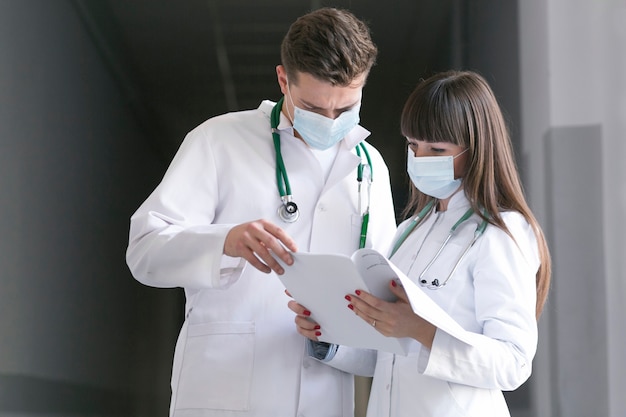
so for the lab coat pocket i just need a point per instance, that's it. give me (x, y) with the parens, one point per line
(213, 351)
(474, 402)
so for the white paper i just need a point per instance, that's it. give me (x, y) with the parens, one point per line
(321, 281)
(422, 304)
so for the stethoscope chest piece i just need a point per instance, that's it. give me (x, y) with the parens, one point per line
(288, 211)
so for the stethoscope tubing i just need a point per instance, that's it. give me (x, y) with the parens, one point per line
(435, 284)
(288, 211)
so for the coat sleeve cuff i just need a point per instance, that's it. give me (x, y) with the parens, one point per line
(321, 351)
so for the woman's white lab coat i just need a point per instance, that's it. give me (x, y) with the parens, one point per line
(491, 294)
(238, 352)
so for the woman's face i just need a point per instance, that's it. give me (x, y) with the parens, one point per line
(423, 148)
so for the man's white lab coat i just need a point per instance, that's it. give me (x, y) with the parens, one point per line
(238, 352)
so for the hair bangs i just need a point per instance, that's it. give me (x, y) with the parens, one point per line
(433, 114)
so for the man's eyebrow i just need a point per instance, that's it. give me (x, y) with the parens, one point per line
(314, 107)
(310, 106)
(349, 107)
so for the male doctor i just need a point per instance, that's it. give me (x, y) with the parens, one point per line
(216, 225)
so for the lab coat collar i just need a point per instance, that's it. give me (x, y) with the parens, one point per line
(459, 200)
(353, 138)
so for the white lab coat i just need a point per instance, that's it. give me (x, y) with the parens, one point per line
(491, 294)
(238, 352)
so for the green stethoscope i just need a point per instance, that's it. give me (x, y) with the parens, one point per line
(288, 211)
(435, 283)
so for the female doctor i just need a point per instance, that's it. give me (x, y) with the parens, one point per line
(474, 246)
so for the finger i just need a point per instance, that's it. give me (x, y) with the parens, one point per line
(288, 293)
(256, 243)
(266, 243)
(363, 314)
(261, 252)
(298, 308)
(373, 301)
(282, 236)
(310, 334)
(293, 306)
(398, 290)
(362, 308)
(279, 242)
(308, 328)
(306, 324)
(241, 242)
(253, 260)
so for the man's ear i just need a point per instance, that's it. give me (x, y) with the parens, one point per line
(281, 75)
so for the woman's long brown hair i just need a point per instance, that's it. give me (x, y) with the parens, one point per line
(459, 107)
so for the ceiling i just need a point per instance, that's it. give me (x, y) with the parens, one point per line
(181, 62)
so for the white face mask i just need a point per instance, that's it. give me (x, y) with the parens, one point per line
(321, 132)
(433, 175)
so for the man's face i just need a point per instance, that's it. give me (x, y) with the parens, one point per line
(311, 94)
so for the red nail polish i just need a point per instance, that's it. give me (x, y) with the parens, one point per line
(317, 327)
(318, 333)
(393, 284)
(347, 297)
(358, 292)
(350, 306)
(306, 312)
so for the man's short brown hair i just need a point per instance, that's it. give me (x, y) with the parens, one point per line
(330, 44)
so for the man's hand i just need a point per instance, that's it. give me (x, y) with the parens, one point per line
(259, 242)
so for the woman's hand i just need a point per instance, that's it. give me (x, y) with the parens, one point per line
(305, 326)
(393, 319)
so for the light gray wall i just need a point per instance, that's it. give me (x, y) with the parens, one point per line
(578, 311)
(77, 334)
(573, 57)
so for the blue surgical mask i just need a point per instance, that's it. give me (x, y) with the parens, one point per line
(321, 132)
(433, 175)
